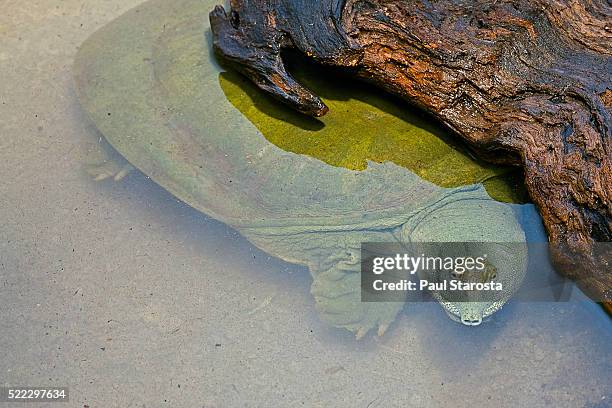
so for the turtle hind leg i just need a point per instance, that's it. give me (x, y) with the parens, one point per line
(337, 293)
(110, 168)
(103, 162)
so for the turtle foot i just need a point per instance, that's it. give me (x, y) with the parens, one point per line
(338, 300)
(109, 169)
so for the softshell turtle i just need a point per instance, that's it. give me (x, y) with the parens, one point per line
(150, 84)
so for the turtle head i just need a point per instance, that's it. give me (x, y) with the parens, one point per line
(471, 309)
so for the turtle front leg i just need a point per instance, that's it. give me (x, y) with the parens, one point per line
(337, 292)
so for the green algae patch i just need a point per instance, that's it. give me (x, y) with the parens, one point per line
(366, 124)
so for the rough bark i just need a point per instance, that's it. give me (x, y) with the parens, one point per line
(524, 82)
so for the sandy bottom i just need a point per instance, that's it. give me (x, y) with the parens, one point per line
(132, 299)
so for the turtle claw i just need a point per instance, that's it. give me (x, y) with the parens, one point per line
(382, 329)
(102, 177)
(361, 332)
(109, 169)
(124, 172)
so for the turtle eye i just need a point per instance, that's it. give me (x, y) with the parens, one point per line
(488, 276)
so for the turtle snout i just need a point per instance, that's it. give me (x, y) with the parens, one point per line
(471, 313)
(471, 321)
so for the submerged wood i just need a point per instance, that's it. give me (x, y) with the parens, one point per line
(523, 82)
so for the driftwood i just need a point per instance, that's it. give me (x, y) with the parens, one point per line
(523, 82)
